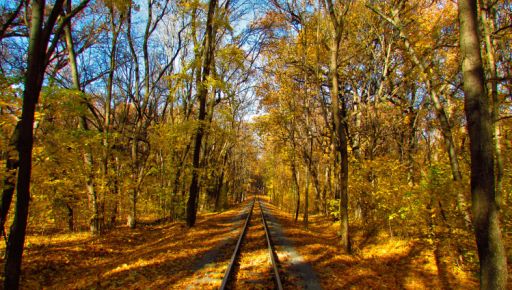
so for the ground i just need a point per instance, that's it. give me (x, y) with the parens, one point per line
(150, 257)
(380, 263)
(171, 256)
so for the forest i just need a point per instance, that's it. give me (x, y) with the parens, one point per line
(378, 133)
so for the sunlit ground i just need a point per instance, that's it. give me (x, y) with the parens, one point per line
(154, 257)
(385, 263)
(171, 256)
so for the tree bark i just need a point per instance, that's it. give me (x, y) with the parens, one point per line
(296, 189)
(220, 182)
(340, 125)
(305, 218)
(488, 25)
(9, 182)
(38, 43)
(202, 95)
(491, 251)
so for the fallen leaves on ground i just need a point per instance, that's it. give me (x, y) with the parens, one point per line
(150, 257)
(386, 263)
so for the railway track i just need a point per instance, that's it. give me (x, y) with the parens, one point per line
(253, 263)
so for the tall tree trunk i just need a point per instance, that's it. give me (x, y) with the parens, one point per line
(327, 191)
(340, 125)
(318, 190)
(202, 95)
(488, 25)
(38, 43)
(340, 129)
(96, 220)
(491, 251)
(87, 156)
(341, 146)
(309, 136)
(132, 219)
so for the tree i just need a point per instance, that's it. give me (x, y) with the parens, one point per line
(202, 94)
(88, 154)
(337, 12)
(38, 55)
(491, 251)
(11, 166)
(435, 93)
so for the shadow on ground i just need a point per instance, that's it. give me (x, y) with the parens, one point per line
(380, 261)
(155, 257)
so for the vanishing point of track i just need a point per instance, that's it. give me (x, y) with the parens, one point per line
(228, 276)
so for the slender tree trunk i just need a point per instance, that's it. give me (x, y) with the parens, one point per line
(327, 188)
(309, 135)
(202, 95)
(174, 194)
(488, 25)
(133, 217)
(356, 138)
(341, 145)
(132, 220)
(445, 126)
(96, 221)
(296, 189)
(446, 131)
(318, 190)
(305, 218)
(491, 251)
(143, 119)
(412, 141)
(220, 182)
(218, 192)
(71, 217)
(87, 156)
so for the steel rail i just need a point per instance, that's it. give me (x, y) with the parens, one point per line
(271, 250)
(229, 271)
(231, 266)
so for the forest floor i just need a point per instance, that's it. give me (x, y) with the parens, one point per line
(378, 262)
(171, 256)
(150, 257)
